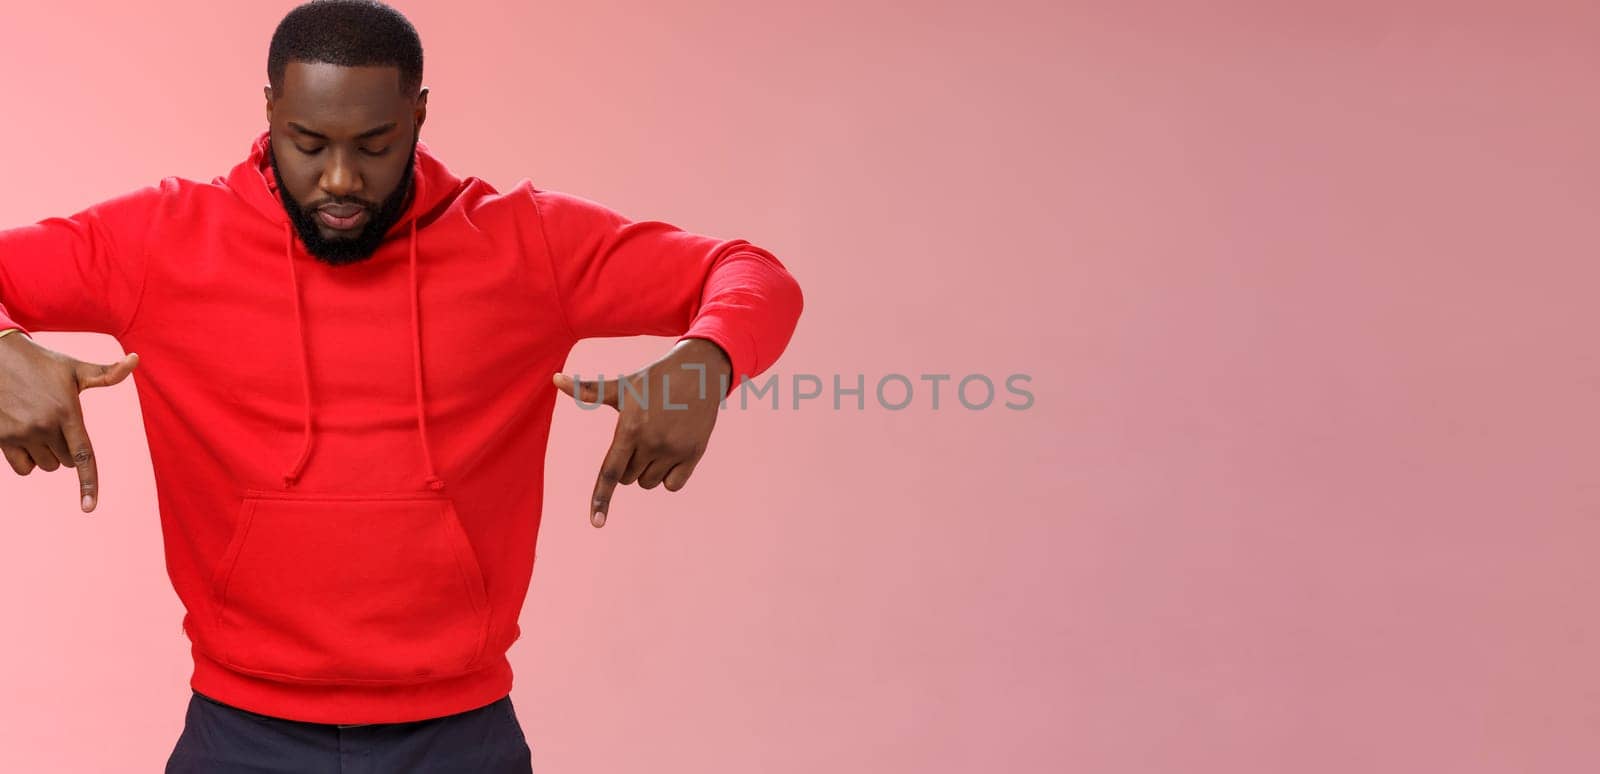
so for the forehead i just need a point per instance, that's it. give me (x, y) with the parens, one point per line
(337, 98)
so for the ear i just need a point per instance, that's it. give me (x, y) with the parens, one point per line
(420, 113)
(266, 91)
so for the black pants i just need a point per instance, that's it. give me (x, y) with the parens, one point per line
(221, 739)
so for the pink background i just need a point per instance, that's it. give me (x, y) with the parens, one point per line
(1307, 297)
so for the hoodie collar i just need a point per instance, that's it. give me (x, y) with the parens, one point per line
(253, 180)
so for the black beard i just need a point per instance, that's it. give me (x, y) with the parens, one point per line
(346, 250)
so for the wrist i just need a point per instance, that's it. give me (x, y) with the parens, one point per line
(709, 352)
(14, 346)
(7, 338)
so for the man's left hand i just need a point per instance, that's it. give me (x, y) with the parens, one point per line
(665, 414)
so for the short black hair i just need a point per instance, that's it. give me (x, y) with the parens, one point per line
(348, 33)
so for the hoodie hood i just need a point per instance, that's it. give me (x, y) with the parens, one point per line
(432, 184)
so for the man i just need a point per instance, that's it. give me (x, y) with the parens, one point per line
(347, 363)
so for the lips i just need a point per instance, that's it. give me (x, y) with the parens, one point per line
(342, 217)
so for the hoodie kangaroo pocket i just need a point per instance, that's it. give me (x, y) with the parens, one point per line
(377, 588)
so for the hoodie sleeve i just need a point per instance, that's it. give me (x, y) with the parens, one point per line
(82, 272)
(618, 277)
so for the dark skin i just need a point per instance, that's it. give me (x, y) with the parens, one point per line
(41, 418)
(341, 135)
(660, 439)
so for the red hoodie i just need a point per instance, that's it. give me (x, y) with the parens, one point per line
(349, 460)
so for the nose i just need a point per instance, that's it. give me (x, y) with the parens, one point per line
(341, 178)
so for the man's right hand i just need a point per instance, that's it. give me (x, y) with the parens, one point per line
(41, 419)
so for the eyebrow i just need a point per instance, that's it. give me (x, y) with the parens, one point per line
(373, 132)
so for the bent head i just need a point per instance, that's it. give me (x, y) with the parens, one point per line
(344, 109)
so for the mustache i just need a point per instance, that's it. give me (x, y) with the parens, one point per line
(370, 206)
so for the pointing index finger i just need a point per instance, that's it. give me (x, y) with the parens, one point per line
(611, 470)
(83, 459)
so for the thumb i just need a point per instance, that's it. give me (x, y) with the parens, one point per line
(593, 391)
(95, 375)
